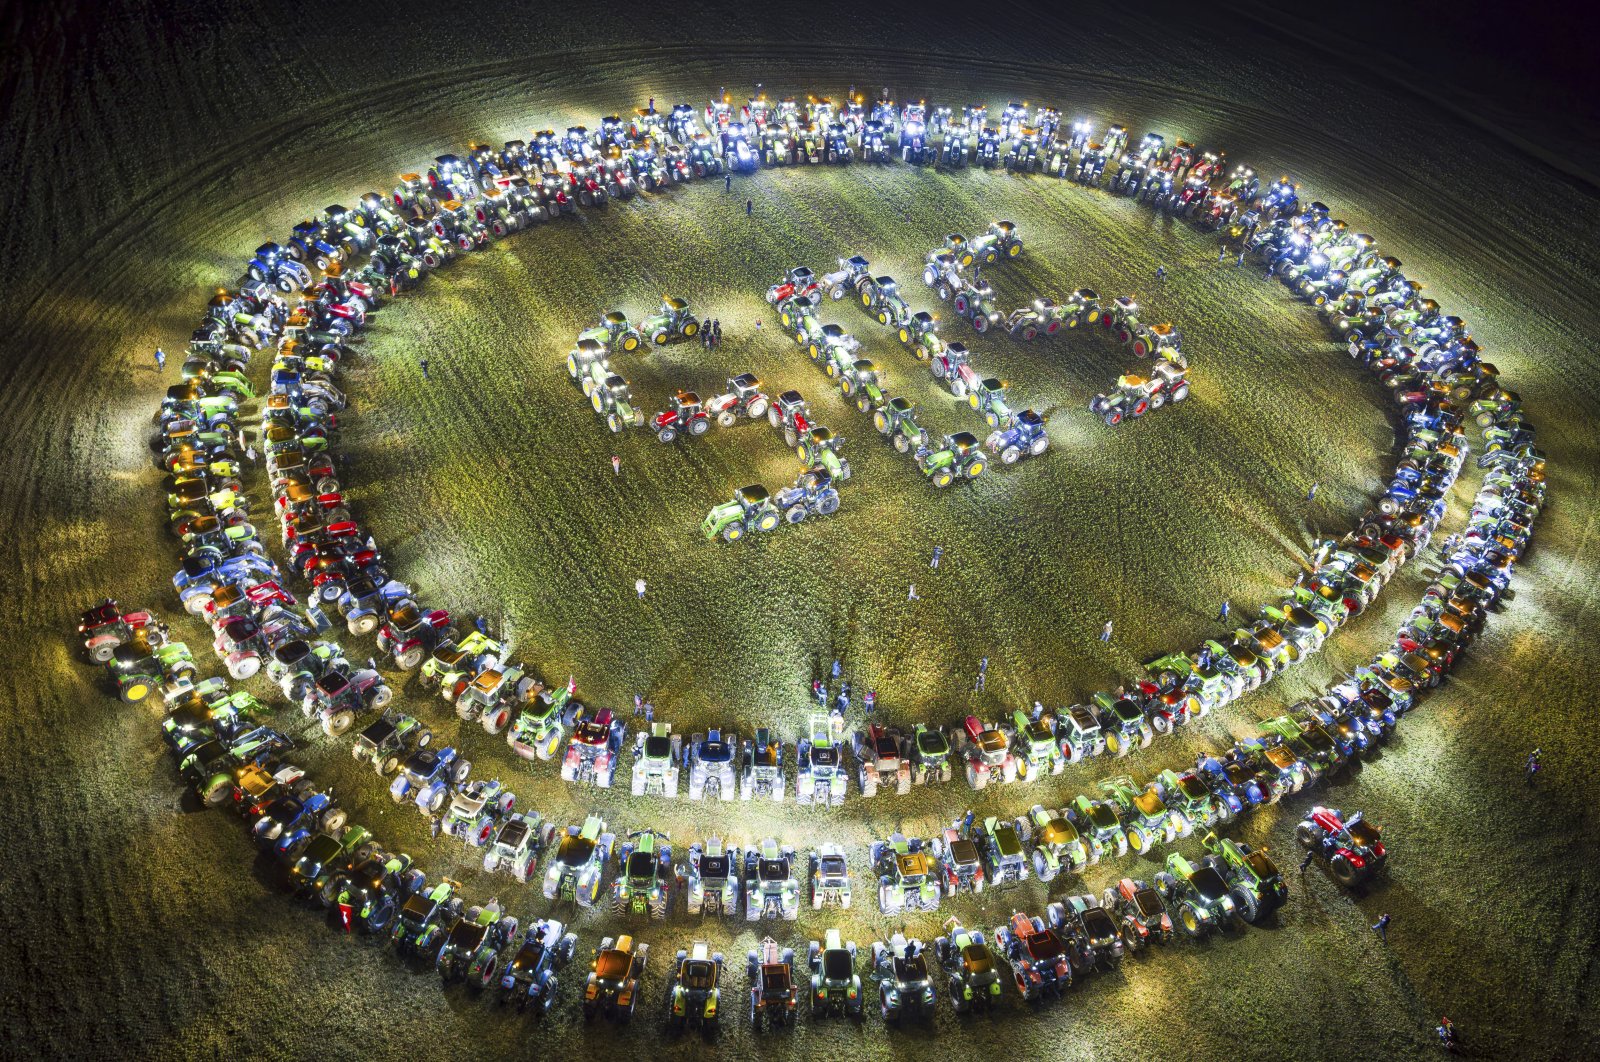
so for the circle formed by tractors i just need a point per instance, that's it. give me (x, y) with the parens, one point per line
(345, 262)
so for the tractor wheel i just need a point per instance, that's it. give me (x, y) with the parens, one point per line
(409, 658)
(333, 820)
(902, 444)
(883, 317)
(1114, 417)
(814, 351)
(767, 521)
(1028, 333)
(866, 298)
(828, 502)
(989, 418)
(135, 690)
(337, 723)
(700, 425)
(666, 435)
(846, 385)
(864, 402)
(962, 303)
(1010, 455)
(1138, 839)
(103, 648)
(733, 532)
(1342, 870)
(690, 329)
(385, 766)
(1115, 745)
(1158, 400)
(1189, 919)
(881, 421)
(795, 514)
(980, 323)
(381, 697)
(1160, 723)
(1180, 392)
(659, 337)
(943, 477)
(975, 469)
(362, 623)
(1245, 902)
(496, 720)
(942, 290)
(727, 418)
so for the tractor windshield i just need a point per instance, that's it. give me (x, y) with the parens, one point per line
(575, 851)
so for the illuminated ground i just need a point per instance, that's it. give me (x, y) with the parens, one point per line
(151, 921)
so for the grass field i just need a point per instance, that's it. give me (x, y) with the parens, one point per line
(142, 930)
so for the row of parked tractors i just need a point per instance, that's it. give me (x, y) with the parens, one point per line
(231, 759)
(1428, 361)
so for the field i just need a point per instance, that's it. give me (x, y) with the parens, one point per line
(141, 928)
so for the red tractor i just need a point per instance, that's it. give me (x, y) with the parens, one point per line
(742, 399)
(797, 283)
(684, 416)
(1349, 846)
(412, 633)
(106, 626)
(791, 415)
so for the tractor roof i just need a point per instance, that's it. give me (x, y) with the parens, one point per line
(674, 303)
(754, 494)
(616, 317)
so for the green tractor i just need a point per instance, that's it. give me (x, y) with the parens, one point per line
(146, 665)
(1146, 819)
(959, 456)
(751, 509)
(1057, 846)
(820, 447)
(989, 398)
(1258, 887)
(454, 664)
(835, 350)
(1100, 826)
(614, 333)
(920, 332)
(674, 320)
(896, 420)
(1035, 746)
(1001, 241)
(613, 400)
(1199, 895)
(880, 297)
(863, 381)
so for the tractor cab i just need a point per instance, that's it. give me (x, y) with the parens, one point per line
(753, 498)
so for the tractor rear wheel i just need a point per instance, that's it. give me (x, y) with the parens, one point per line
(727, 418)
(1342, 870)
(943, 477)
(666, 435)
(795, 514)
(1010, 455)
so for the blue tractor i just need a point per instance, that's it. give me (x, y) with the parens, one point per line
(1025, 437)
(273, 265)
(426, 776)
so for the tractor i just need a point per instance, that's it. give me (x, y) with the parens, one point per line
(1024, 436)
(751, 509)
(674, 320)
(863, 381)
(1000, 241)
(813, 494)
(742, 398)
(614, 333)
(819, 448)
(959, 456)
(880, 297)
(988, 398)
(921, 333)
(684, 416)
(896, 421)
